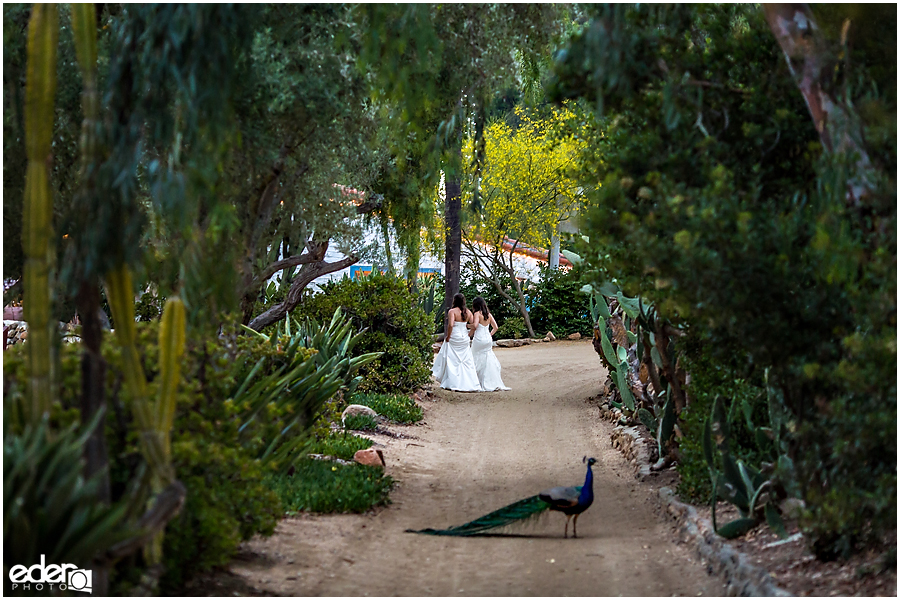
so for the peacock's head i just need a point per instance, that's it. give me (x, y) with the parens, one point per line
(590, 461)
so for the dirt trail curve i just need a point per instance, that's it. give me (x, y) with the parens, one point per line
(476, 453)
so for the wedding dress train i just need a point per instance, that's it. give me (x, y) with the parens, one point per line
(487, 366)
(453, 365)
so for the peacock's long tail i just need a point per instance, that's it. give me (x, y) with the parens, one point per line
(517, 511)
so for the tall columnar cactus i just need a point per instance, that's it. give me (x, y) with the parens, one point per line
(154, 419)
(84, 29)
(40, 91)
(171, 350)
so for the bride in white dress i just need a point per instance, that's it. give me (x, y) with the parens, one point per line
(486, 364)
(453, 365)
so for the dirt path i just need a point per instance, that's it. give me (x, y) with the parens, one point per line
(476, 453)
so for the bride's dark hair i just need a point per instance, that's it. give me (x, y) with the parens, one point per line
(459, 301)
(478, 304)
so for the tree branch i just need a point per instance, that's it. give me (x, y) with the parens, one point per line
(290, 261)
(308, 272)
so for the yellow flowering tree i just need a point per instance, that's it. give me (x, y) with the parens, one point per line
(526, 191)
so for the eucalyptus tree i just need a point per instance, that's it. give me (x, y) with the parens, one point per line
(443, 65)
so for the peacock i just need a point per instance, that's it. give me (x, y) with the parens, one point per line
(571, 501)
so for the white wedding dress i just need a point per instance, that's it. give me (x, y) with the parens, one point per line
(486, 364)
(453, 365)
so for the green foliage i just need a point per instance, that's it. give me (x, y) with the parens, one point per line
(511, 327)
(149, 307)
(396, 407)
(360, 423)
(226, 504)
(394, 325)
(323, 486)
(48, 507)
(341, 445)
(710, 378)
(316, 364)
(718, 204)
(428, 297)
(216, 445)
(559, 305)
(735, 481)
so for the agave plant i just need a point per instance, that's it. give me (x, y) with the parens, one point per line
(305, 381)
(48, 507)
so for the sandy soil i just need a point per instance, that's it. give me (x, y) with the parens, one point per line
(476, 453)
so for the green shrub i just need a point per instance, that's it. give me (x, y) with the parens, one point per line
(327, 487)
(49, 509)
(360, 423)
(559, 305)
(710, 378)
(396, 407)
(512, 327)
(149, 307)
(340, 445)
(394, 323)
(226, 503)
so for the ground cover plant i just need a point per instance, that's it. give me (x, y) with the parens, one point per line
(395, 407)
(324, 486)
(360, 423)
(341, 445)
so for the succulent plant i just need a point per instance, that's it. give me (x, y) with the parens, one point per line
(744, 486)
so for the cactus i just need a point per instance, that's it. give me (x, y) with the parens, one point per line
(599, 308)
(738, 483)
(40, 91)
(608, 353)
(631, 306)
(622, 382)
(666, 426)
(649, 421)
(171, 350)
(153, 438)
(84, 30)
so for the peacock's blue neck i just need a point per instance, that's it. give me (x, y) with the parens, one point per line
(587, 490)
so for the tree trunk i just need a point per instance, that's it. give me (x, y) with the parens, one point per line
(385, 232)
(554, 251)
(453, 241)
(794, 26)
(523, 309)
(93, 392)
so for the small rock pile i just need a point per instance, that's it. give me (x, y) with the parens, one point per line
(17, 332)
